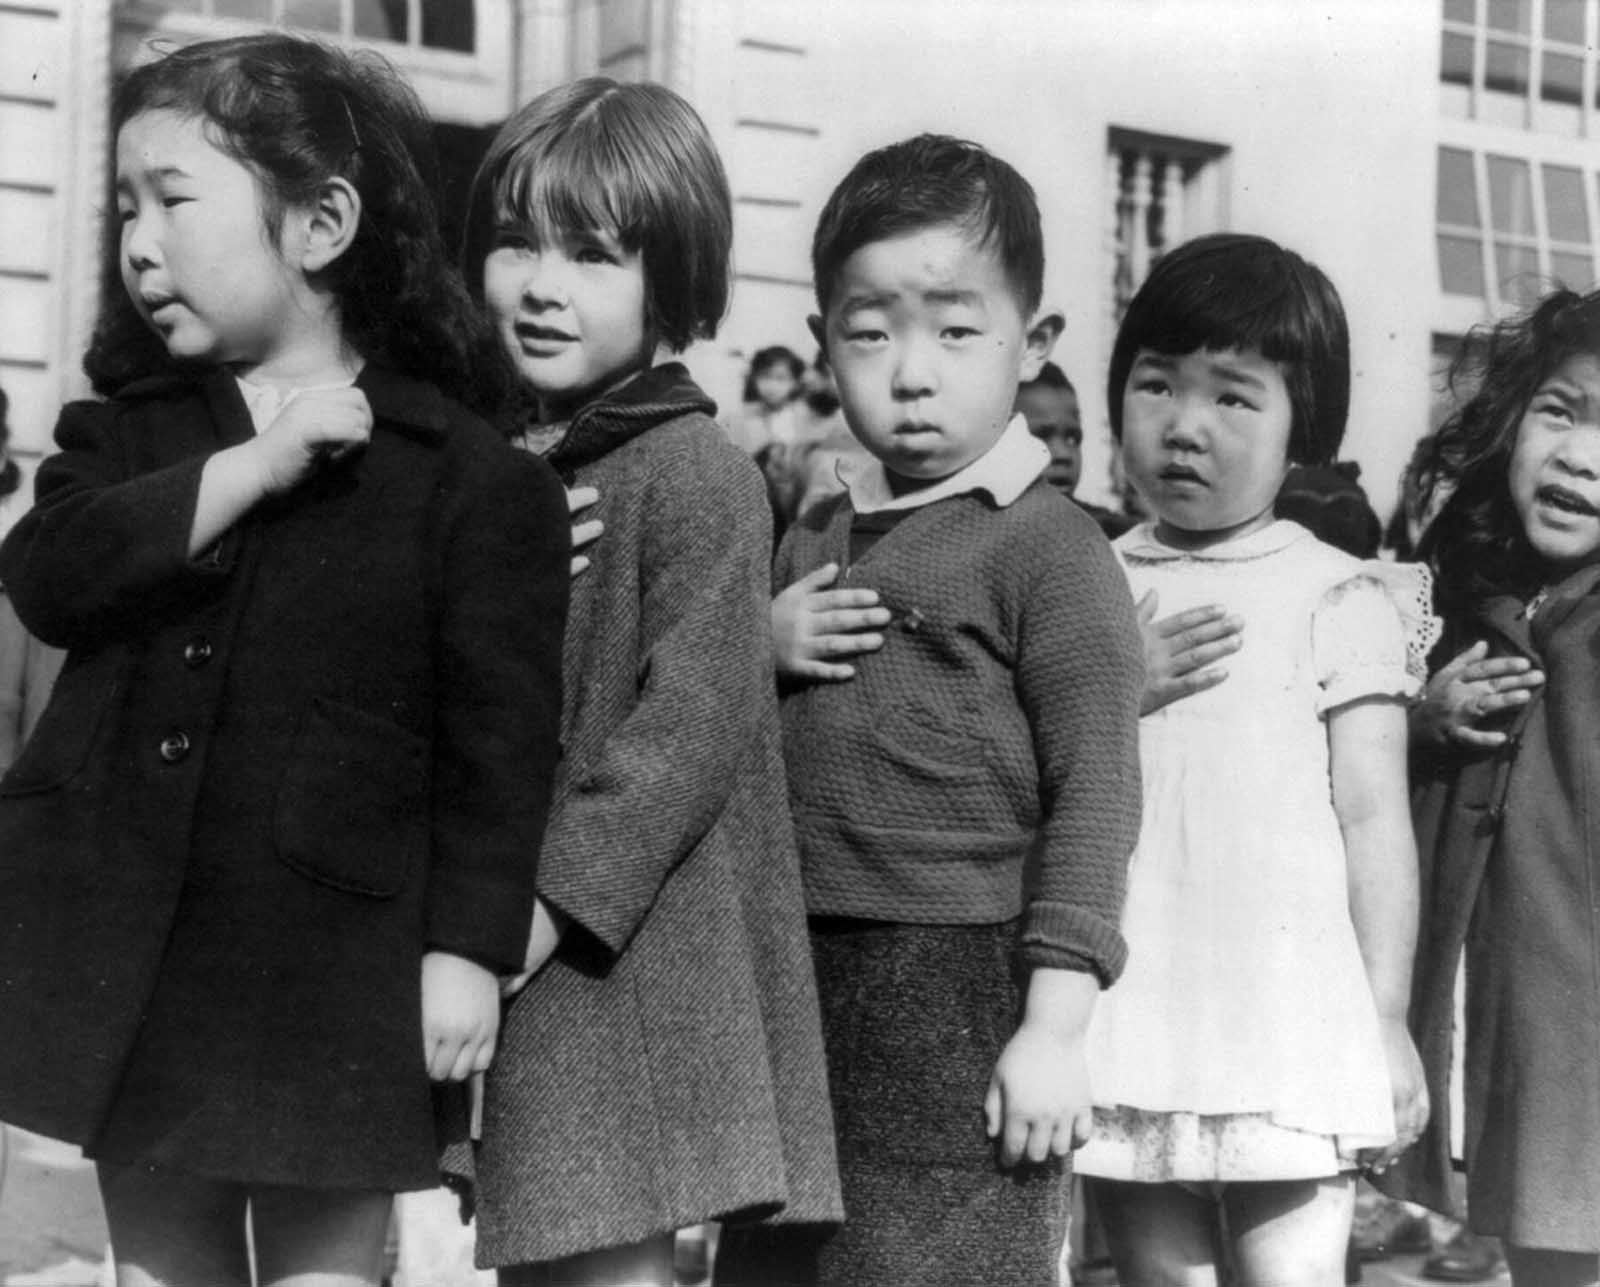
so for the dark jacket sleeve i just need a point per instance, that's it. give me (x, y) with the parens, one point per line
(104, 547)
(705, 686)
(507, 546)
(1080, 670)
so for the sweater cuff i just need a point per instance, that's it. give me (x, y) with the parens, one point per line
(1055, 933)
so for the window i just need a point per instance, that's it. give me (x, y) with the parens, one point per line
(1510, 227)
(425, 24)
(1163, 191)
(1524, 63)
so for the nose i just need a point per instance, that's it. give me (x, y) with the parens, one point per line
(915, 370)
(139, 243)
(545, 282)
(1578, 453)
(1186, 426)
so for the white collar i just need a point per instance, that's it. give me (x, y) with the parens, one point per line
(1143, 544)
(1005, 471)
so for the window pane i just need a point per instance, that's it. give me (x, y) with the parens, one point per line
(381, 20)
(1460, 266)
(1563, 204)
(1511, 196)
(448, 24)
(1459, 11)
(1458, 194)
(1455, 59)
(254, 10)
(1506, 68)
(1510, 15)
(1516, 268)
(313, 15)
(1562, 79)
(1571, 269)
(1563, 20)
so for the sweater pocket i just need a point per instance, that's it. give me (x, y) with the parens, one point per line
(932, 764)
(352, 811)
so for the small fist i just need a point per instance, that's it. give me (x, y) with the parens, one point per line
(316, 425)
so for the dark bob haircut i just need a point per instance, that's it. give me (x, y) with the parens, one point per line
(772, 356)
(1050, 377)
(1477, 545)
(297, 113)
(1233, 291)
(634, 161)
(919, 183)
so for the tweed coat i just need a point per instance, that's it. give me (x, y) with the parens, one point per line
(1510, 848)
(269, 777)
(666, 1066)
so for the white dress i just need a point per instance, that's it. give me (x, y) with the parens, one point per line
(1242, 1041)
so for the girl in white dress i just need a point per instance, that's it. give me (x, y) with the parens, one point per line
(1255, 1054)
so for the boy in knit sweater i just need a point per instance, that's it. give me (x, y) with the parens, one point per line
(967, 802)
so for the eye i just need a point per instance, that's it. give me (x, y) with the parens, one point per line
(1154, 385)
(1553, 409)
(958, 332)
(1231, 399)
(126, 214)
(865, 335)
(512, 239)
(594, 253)
(170, 202)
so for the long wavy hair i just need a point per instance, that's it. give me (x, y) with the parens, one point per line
(1476, 545)
(298, 113)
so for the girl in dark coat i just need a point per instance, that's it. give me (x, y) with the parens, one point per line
(274, 838)
(664, 1064)
(1511, 855)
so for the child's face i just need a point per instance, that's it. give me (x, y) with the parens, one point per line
(1555, 466)
(928, 343)
(1205, 439)
(776, 386)
(570, 310)
(196, 257)
(1052, 416)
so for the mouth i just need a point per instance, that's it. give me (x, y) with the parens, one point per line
(914, 428)
(529, 333)
(153, 304)
(1182, 475)
(1556, 497)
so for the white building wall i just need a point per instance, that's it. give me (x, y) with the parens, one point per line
(1328, 108)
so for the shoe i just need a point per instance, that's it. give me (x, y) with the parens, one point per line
(1466, 1258)
(691, 1256)
(1391, 1230)
(1095, 1273)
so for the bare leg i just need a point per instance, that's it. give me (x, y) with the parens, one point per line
(1160, 1235)
(174, 1230)
(642, 1264)
(1290, 1233)
(1541, 1267)
(319, 1238)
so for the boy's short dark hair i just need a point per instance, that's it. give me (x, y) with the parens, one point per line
(1050, 377)
(927, 180)
(1234, 291)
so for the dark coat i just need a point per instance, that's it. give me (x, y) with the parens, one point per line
(269, 777)
(1510, 847)
(666, 1066)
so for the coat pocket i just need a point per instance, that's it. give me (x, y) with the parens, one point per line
(59, 748)
(353, 808)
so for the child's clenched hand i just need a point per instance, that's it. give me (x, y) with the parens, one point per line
(1179, 651)
(811, 623)
(1471, 687)
(1037, 1106)
(319, 424)
(460, 1016)
(1410, 1090)
(586, 532)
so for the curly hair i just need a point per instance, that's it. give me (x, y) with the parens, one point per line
(1237, 291)
(1476, 544)
(634, 160)
(298, 113)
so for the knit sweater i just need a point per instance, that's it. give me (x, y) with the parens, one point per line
(984, 763)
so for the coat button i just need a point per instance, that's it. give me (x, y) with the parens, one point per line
(174, 747)
(196, 653)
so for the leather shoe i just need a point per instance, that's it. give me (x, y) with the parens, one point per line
(1466, 1258)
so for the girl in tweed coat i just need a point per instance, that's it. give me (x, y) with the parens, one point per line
(663, 1064)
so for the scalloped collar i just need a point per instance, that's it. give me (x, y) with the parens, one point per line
(1143, 544)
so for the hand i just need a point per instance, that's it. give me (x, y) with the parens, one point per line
(460, 1016)
(1038, 1103)
(321, 424)
(1473, 686)
(1410, 1090)
(1178, 649)
(549, 924)
(811, 623)
(586, 532)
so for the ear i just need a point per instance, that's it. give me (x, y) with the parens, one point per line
(1043, 332)
(819, 332)
(330, 224)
